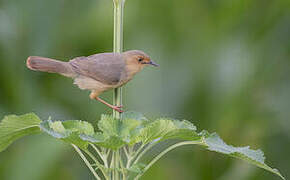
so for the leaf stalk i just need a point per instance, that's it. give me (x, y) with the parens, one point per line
(86, 162)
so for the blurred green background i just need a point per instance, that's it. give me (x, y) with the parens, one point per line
(224, 65)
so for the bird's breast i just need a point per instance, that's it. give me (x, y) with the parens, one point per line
(132, 70)
(91, 84)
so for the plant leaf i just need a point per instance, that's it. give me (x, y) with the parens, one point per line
(68, 131)
(125, 129)
(163, 129)
(13, 127)
(117, 132)
(81, 127)
(111, 142)
(255, 157)
(184, 130)
(134, 115)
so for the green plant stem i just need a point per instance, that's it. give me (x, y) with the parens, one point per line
(108, 153)
(131, 156)
(102, 156)
(115, 166)
(117, 96)
(126, 151)
(118, 47)
(166, 151)
(124, 172)
(147, 148)
(103, 170)
(86, 161)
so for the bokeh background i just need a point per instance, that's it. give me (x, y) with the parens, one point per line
(224, 65)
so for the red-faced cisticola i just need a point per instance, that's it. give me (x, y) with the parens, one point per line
(97, 73)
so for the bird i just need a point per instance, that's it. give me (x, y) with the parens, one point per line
(98, 73)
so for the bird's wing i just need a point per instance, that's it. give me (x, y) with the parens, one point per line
(108, 68)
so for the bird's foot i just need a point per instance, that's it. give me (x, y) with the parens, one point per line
(117, 108)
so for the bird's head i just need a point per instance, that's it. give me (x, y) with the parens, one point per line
(136, 60)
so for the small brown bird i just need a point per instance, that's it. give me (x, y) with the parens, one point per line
(98, 72)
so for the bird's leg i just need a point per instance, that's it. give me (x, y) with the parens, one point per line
(117, 108)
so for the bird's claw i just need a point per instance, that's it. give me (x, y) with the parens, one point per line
(118, 108)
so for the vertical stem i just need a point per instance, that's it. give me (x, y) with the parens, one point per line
(116, 165)
(118, 46)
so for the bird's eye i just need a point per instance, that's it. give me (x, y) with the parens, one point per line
(140, 59)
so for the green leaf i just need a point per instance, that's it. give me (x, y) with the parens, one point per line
(134, 128)
(13, 127)
(54, 129)
(95, 138)
(117, 132)
(111, 142)
(163, 129)
(255, 157)
(81, 127)
(184, 130)
(125, 129)
(69, 131)
(155, 130)
(134, 115)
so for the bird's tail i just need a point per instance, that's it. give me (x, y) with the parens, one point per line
(43, 64)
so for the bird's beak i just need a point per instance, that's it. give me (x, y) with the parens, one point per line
(153, 63)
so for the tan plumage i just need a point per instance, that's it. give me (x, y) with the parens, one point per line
(98, 72)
